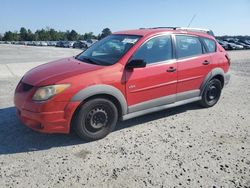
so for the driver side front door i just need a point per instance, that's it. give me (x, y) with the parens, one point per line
(155, 84)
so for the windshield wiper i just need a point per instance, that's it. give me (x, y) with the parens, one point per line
(91, 61)
(88, 59)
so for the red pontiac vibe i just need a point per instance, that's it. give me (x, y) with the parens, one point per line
(127, 74)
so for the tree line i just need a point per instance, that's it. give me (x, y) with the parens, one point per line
(50, 34)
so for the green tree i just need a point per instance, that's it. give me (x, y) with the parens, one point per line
(72, 35)
(105, 32)
(30, 36)
(80, 37)
(23, 34)
(48, 34)
(43, 35)
(10, 36)
(53, 35)
(61, 35)
(87, 36)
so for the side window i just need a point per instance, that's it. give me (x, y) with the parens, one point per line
(211, 46)
(155, 50)
(187, 46)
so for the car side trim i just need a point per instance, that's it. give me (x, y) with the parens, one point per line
(158, 108)
(102, 89)
(164, 100)
(152, 103)
(187, 95)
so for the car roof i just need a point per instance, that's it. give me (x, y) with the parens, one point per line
(156, 31)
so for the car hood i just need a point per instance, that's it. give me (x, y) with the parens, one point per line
(52, 72)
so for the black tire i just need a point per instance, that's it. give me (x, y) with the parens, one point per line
(211, 93)
(96, 119)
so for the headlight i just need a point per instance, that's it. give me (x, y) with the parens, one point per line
(46, 92)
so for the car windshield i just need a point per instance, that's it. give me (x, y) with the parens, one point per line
(108, 50)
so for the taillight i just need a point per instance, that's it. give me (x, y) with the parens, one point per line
(228, 59)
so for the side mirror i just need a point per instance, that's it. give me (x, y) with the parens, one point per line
(136, 63)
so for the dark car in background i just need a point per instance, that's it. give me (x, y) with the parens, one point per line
(234, 43)
(80, 45)
(60, 44)
(245, 46)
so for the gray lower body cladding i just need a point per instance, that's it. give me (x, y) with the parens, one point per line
(162, 103)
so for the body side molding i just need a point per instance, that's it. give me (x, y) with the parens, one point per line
(158, 108)
(102, 89)
(169, 99)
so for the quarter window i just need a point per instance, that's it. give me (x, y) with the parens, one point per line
(155, 50)
(211, 46)
(187, 46)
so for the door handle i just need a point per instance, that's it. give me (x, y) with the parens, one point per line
(206, 62)
(171, 69)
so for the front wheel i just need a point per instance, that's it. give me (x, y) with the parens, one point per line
(211, 94)
(96, 119)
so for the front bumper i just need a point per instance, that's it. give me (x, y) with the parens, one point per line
(52, 116)
(48, 122)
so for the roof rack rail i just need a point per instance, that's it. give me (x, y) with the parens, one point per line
(174, 28)
(193, 29)
(208, 31)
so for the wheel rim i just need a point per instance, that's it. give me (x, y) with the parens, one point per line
(97, 119)
(212, 93)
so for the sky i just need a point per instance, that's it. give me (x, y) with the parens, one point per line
(224, 17)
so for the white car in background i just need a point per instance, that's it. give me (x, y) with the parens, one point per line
(42, 43)
(89, 42)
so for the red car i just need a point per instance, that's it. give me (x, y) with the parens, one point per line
(124, 75)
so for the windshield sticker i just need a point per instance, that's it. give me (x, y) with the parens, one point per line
(128, 40)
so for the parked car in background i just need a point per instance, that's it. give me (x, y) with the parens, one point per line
(23, 42)
(43, 43)
(64, 44)
(80, 45)
(224, 44)
(30, 43)
(247, 42)
(245, 46)
(51, 43)
(90, 42)
(230, 45)
(235, 46)
(60, 44)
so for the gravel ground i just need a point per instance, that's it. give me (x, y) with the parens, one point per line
(186, 146)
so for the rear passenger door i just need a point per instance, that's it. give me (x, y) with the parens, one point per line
(193, 64)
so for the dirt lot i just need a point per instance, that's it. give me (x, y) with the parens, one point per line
(187, 146)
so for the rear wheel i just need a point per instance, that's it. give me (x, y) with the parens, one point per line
(96, 119)
(211, 94)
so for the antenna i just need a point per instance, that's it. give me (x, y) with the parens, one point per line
(191, 20)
